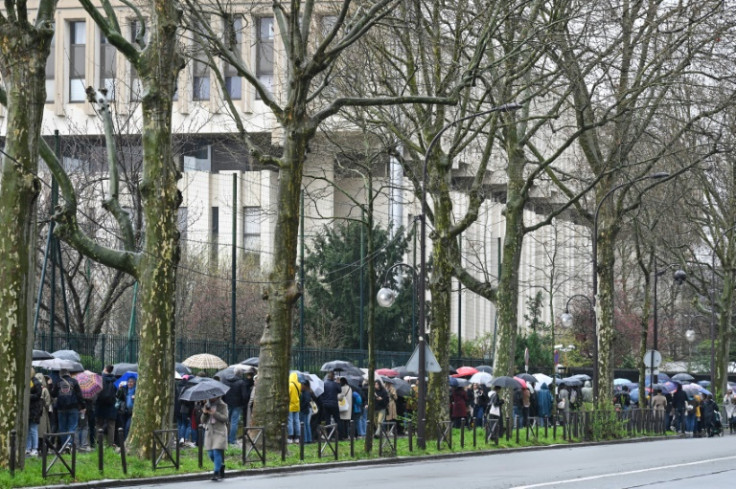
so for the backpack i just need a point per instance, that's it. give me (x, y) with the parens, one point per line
(107, 394)
(357, 403)
(66, 398)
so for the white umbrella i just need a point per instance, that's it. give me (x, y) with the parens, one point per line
(543, 379)
(316, 384)
(58, 364)
(481, 378)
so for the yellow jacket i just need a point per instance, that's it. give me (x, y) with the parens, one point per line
(295, 392)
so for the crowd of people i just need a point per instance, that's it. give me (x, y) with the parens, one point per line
(58, 406)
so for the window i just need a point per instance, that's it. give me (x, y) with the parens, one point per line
(252, 229)
(135, 82)
(199, 159)
(200, 73)
(233, 82)
(264, 52)
(51, 72)
(107, 66)
(77, 59)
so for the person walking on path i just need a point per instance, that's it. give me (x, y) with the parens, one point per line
(214, 419)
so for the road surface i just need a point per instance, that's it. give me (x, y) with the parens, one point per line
(665, 464)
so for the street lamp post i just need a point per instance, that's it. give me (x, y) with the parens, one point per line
(679, 278)
(387, 296)
(566, 318)
(594, 240)
(690, 337)
(422, 370)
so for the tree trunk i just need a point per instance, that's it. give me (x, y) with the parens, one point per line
(272, 388)
(604, 304)
(723, 337)
(161, 200)
(23, 53)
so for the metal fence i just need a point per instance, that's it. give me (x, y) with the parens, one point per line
(103, 349)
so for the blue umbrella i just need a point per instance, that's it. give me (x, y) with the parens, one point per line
(124, 378)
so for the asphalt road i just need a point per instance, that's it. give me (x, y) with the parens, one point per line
(671, 464)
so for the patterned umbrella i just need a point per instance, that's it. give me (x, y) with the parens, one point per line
(205, 361)
(90, 383)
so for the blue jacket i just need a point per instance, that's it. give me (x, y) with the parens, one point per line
(544, 401)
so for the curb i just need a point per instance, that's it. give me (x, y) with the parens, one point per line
(204, 476)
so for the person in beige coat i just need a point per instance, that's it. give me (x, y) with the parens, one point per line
(346, 392)
(214, 419)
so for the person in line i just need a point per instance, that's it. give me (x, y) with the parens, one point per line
(346, 395)
(729, 402)
(305, 411)
(380, 397)
(69, 405)
(679, 408)
(708, 412)
(214, 419)
(495, 417)
(106, 413)
(526, 402)
(392, 412)
(458, 406)
(563, 404)
(330, 411)
(544, 404)
(236, 399)
(292, 422)
(125, 403)
(35, 411)
(659, 406)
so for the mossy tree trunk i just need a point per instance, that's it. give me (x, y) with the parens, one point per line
(24, 48)
(282, 292)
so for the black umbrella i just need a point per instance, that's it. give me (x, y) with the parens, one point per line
(527, 377)
(345, 368)
(67, 355)
(571, 381)
(182, 369)
(506, 381)
(252, 361)
(402, 387)
(59, 364)
(120, 368)
(204, 390)
(42, 355)
(404, 372)
(484, 368)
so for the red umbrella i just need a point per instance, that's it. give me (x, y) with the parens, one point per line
(465, 372)
(90, 383)
(522, 382)
(387, 372)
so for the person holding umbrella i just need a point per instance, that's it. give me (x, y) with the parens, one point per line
(214, 419)
(124, 403)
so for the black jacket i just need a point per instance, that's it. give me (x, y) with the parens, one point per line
(35, 409)
(238, 394)
(329, 396)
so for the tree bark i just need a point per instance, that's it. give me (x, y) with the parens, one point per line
(23, 52)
